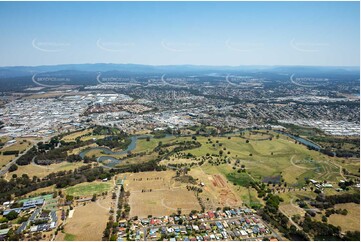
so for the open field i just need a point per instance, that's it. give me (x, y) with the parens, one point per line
(289, 210)
(73, 136)
(136, 160)
(88, 222)
(160, 203)
(78, 150)
(20, 145)
(267, 158)
(85, 138)
(89, 188)
(292, 196)
(254, 135)
(142, 132)
(4, 159)
(349, 222)
(157, 194)
(147, 146)
(42, 171)
(174, 161)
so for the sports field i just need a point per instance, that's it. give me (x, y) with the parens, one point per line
(89, 188)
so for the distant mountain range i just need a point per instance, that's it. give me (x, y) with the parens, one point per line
(22, 71)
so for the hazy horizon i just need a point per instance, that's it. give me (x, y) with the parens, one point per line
(195, 65)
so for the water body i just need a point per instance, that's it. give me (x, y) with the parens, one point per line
(108, 152)
(301, 140)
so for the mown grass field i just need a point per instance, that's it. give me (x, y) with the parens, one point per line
(88, 189)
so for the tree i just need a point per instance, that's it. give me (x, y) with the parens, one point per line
(12, 215)
(13, 167)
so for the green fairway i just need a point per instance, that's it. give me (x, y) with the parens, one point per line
(88, 189)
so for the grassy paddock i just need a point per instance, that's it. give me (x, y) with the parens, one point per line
(88, 189)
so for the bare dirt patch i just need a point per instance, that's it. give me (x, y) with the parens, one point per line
(216, 191)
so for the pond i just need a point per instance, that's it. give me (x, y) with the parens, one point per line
(301, 140)
(108, 152)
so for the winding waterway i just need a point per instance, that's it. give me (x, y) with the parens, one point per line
(108, 152)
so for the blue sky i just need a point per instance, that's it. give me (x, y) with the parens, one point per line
(167, 33)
